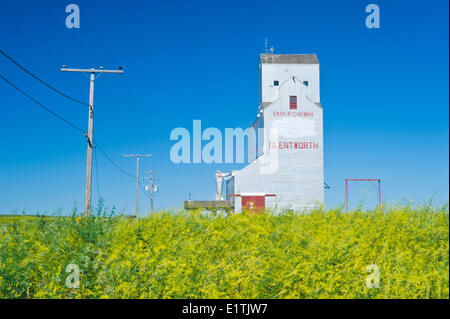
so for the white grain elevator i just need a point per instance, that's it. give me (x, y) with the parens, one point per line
(285, 169)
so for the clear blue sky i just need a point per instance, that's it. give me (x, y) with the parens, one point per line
(384, 93)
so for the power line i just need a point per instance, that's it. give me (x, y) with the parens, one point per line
(64, 120)
(42, 105)
(125, 85)
(43, 82)
(75, 127)
(96, 146)
(62, 93)
(112, 162)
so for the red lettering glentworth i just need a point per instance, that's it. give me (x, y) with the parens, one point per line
(294, 145)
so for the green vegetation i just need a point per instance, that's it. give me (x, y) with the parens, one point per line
(316, 255)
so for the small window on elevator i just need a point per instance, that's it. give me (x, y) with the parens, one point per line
(293, 102)
(276, 83)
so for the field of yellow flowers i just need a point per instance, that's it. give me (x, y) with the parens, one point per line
(192, 255)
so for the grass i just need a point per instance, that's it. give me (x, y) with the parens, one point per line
(323, 254)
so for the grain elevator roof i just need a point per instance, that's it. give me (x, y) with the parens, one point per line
(289, 58)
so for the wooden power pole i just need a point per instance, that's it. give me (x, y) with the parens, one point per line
(87, 198)
(151, 178)
(137, 177)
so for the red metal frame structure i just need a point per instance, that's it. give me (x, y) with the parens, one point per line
(362, 180)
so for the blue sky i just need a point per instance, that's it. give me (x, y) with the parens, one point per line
(384, 93)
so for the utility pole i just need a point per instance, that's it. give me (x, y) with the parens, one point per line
(151, 178)
(87, 197)
(137, 177)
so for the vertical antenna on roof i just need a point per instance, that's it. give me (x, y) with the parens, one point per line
(265, 46)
